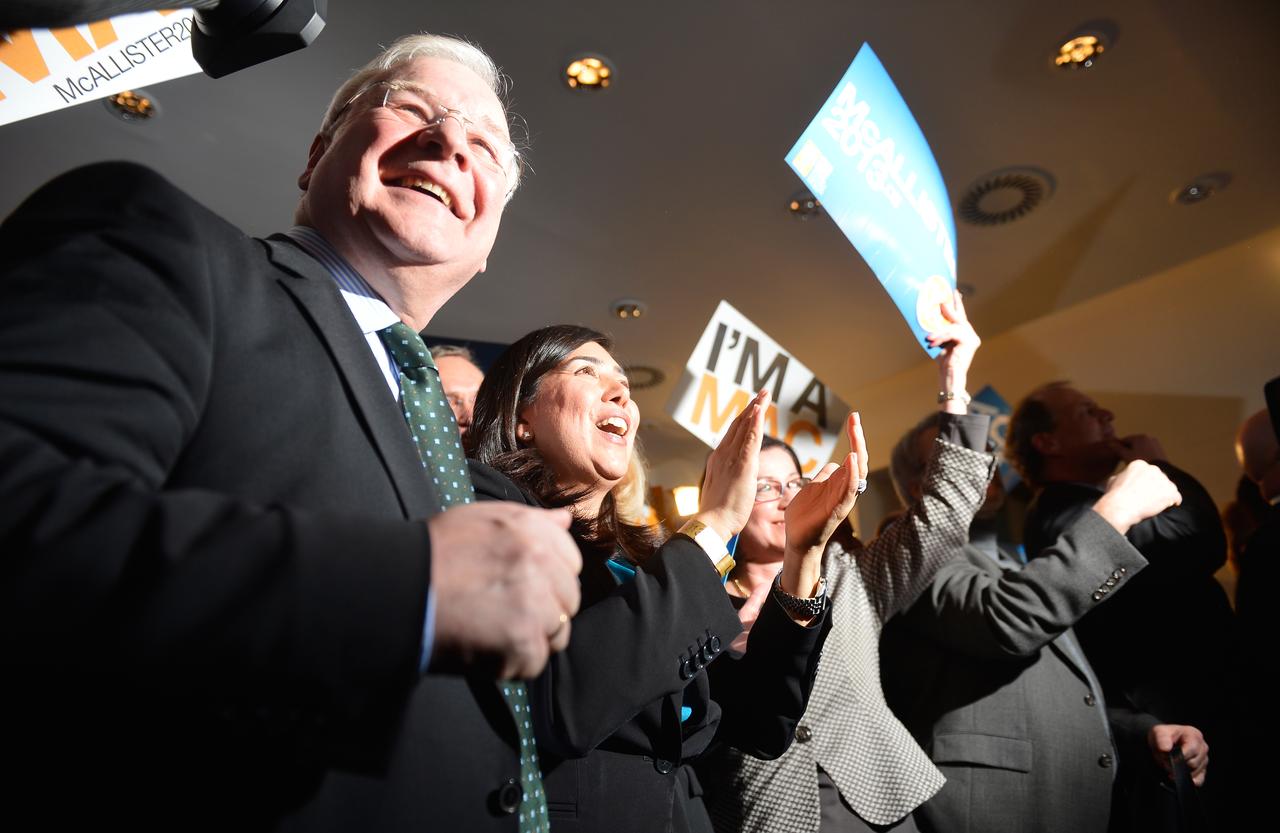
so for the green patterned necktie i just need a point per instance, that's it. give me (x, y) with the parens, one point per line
(435, 433)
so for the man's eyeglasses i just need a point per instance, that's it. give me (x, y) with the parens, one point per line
(419, 110)
(768, 489)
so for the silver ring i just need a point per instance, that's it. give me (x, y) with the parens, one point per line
(862, 485)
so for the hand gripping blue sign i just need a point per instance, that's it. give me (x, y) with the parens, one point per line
(867, 162)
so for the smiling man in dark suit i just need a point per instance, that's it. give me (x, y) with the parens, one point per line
(228, 588)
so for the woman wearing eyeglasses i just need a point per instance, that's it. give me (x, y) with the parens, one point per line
(854, 767)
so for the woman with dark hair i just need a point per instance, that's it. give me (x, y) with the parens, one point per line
(854, 766)
(643, 687)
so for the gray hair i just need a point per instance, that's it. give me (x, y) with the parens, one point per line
(409, 48)
(442, 351)
(907, 464)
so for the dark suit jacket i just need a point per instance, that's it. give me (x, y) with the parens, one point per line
(1167, 646)
(615, 753)
(212, 593)
(983, 672)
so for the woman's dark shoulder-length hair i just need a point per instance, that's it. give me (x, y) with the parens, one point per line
(510, 385)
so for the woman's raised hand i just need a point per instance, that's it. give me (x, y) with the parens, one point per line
(821, 506)
(959, 343)
(729, 490)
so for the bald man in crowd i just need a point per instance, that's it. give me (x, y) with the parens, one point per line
(460, 377)
(1165, 646)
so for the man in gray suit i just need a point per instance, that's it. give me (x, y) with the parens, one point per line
(986, 674)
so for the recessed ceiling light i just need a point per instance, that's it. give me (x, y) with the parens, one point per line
(628, 308)
(132, 105)
(804, 206)
(1080, 53)
(589, 72)
(1200, 188)
(1083, 47)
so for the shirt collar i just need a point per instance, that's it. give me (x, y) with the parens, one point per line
(371, 312)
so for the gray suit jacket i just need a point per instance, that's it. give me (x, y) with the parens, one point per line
(847, 729)
(985, 672)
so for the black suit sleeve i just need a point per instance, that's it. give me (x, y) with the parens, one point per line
(649, 637)
(1186, 540)
(763, 693)
(110, 327)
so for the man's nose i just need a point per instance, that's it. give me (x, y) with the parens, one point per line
(448, 133)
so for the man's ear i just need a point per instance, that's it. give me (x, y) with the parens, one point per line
(1045, 443)
(318, 146)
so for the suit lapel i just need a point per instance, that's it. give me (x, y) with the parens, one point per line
(1066, 647)
(318, 295)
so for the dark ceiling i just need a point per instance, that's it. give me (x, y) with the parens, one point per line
(670, 187)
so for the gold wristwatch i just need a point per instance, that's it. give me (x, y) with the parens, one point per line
(711, 543)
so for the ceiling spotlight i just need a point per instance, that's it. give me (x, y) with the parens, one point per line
(1200, 188)
(1080, 53)
(132, 105)
(588, 72)
(804, 206)
(628, 308)
(1086, 45)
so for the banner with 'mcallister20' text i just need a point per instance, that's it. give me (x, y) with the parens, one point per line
(866, 160)
(42, 70)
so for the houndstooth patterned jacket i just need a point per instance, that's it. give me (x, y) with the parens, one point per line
(848, 729)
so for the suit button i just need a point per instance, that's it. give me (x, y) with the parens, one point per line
(509, 796)
(707, 654)
(1090, 700)
(663, 765)
(687, 670)
(803, 734)
(1105, 761)
(1115, 574)
(1110, 582)
(1097, 597)
(715, 645)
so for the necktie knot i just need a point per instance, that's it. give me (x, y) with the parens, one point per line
(406, 347)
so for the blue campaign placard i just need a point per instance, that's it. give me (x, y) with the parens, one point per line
(867, 162)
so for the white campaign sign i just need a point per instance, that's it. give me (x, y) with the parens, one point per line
(42, 70)
(733, 359)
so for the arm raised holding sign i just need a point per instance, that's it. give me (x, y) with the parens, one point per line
(866, 585)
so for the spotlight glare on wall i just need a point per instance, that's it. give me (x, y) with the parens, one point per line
(686, 498)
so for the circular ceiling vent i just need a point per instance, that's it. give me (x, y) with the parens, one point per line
(1004, 196)
(643, 376)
